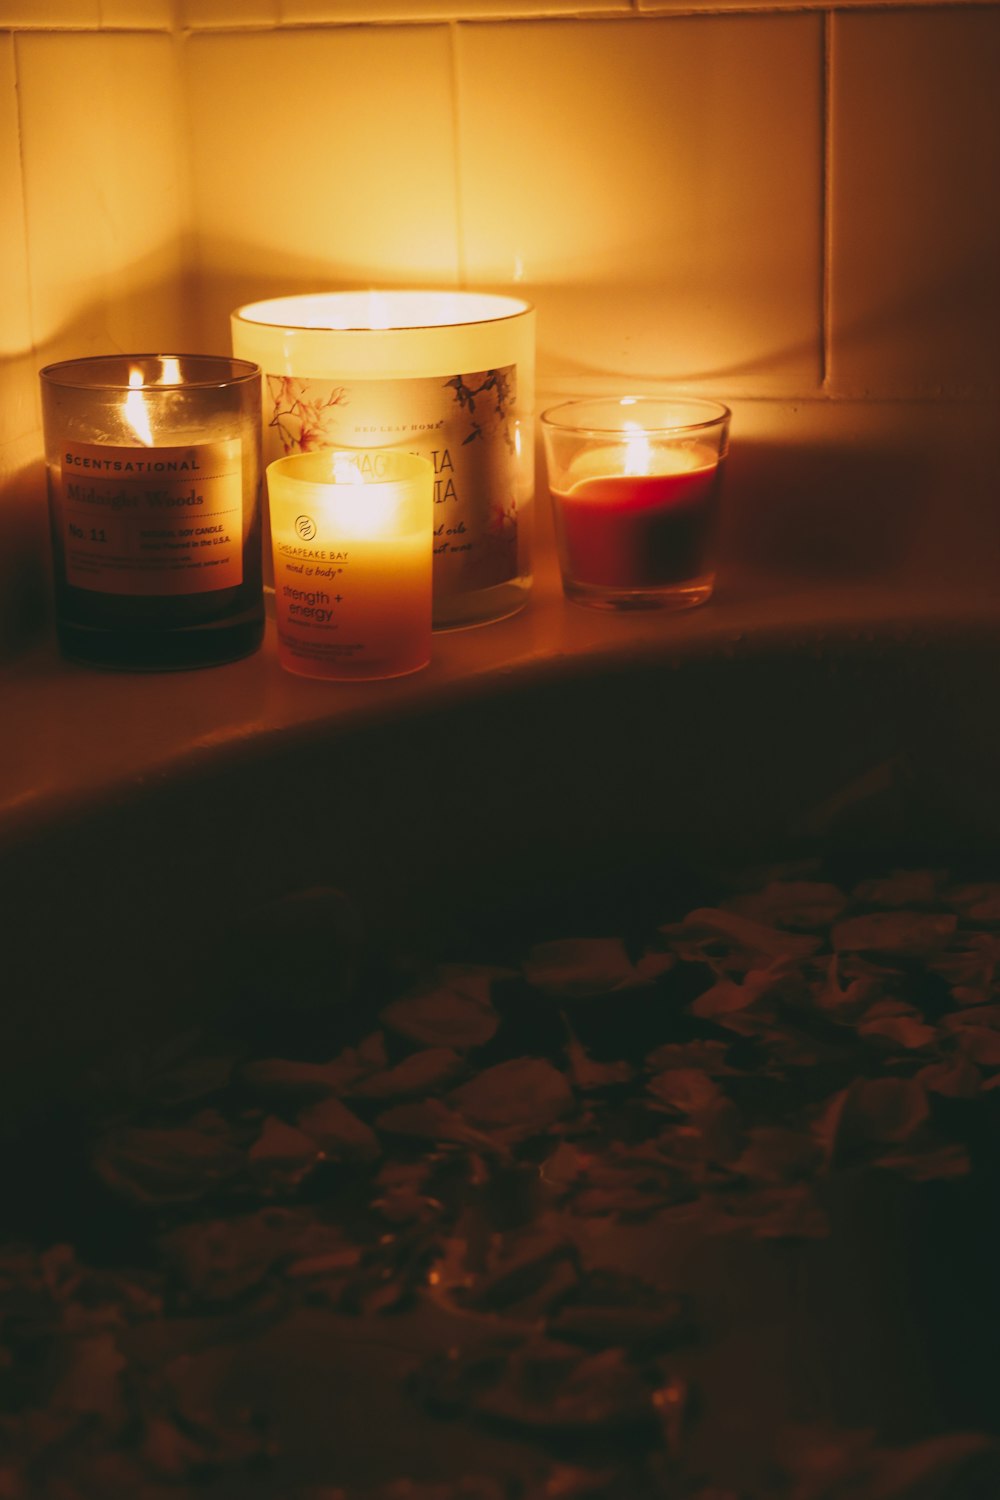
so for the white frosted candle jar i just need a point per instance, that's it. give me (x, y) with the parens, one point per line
(351, 537)
(446, 375)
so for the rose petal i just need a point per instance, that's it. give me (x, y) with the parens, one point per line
(442, 1016)
(684, 1089)
(166, 1166)
(710, 1057)
(957, 1078)
(339, 1132)
(416, 1074)
(753, 935)
(901, 888)
(576, 968)
(792, 903)
(980, 1043)
(904, 932)
(279, 1078)
(903, 1030)
(524, 1094)
(881, 1109)
(280, 1142)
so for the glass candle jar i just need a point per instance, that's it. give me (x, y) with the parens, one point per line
(154, 474)
(446, 375)
(351, 536)
(635, 484)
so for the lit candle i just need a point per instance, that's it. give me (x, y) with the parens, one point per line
(447, 375)
(351, 534)
(635, 488)
(154, 488)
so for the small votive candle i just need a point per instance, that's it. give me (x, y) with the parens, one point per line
(351, 533)
(635, 486)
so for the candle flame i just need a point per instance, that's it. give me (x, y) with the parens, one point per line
(135, 411)
(361, 505)
(637, 449)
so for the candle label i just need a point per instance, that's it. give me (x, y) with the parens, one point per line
(465, 425)
(151, 520)
(349, 605)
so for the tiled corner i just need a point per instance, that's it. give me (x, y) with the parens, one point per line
(915, 269)
(105, 188)
(15, 324)
(18, 383)
(670, 7)
(210, 14)
(51, 14)
(670, 226)
(320, 159)
(432, 10)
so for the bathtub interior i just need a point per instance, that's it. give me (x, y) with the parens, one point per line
(597, 794)
(565, 802)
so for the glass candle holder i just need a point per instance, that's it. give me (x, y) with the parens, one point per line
(635, 485)
(154, 475)
(446, 375)
(351, 534)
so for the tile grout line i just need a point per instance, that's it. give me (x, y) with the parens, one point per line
(456, 152)
(826, 207)
(638, 9)
(26, 237)
(191, 257)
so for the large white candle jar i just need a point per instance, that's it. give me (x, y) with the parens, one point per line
(445, 375)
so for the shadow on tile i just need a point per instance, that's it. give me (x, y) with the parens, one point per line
(25, 591)
(824, 511)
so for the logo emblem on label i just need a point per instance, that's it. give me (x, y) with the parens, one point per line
(305, 528)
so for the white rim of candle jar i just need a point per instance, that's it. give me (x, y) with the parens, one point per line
(61, 372)
(568, 416)
(285, 468)
(266, 313)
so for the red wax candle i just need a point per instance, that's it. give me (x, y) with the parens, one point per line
(640, 531)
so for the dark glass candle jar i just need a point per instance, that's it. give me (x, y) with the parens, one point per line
(154, 473)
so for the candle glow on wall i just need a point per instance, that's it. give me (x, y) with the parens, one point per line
(446, 375)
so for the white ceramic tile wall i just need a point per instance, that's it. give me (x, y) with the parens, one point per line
(210, 14)
(792, 206)
(857, 491)
(414, 10)
(105, 185)
(138, 15)
(321, 158)
(93, 249)
(18, 399)
(915, 209)
(50, 13)
(91, 15)
(632, 177)
(22, 539)
(228, 13)
(686, 7)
